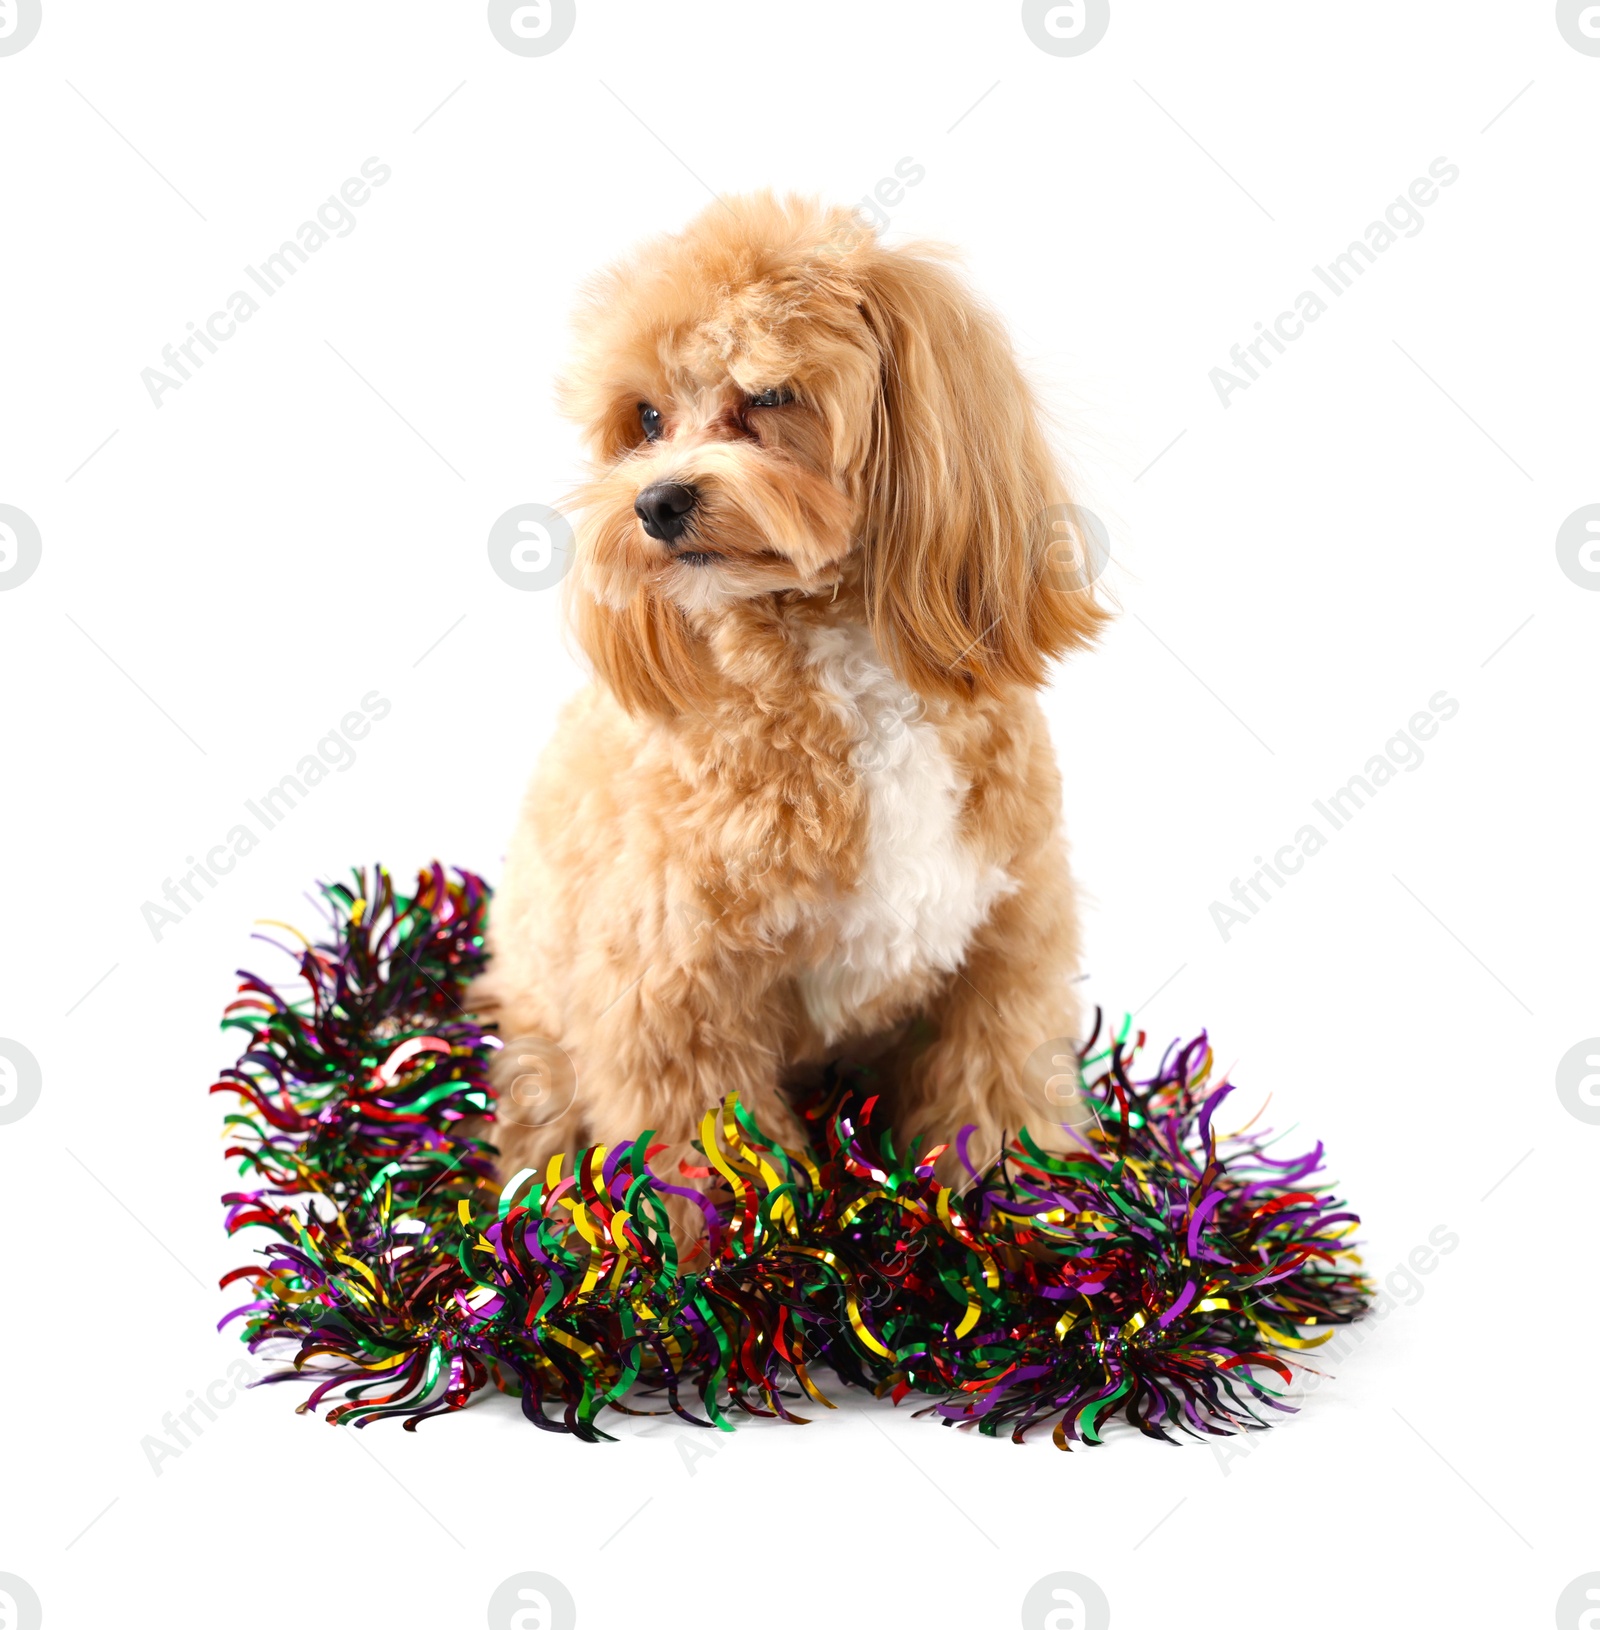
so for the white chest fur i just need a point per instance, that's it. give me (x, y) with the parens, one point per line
(922, 891)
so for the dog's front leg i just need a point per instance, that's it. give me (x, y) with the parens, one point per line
(652, 1053)
(673, 1049)
(1006, 1028)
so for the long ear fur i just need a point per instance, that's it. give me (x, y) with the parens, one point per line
(645, 651)
(962, 590)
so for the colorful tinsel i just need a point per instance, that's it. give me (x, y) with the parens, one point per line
(1159, 1276)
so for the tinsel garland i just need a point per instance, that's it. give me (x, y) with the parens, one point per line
(1164, 1275)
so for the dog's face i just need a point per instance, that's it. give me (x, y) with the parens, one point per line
(721, 470)
(773, 399)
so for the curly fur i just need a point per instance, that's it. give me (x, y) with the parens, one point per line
(809, 809)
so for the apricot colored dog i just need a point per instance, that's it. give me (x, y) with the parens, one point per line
(809, 808)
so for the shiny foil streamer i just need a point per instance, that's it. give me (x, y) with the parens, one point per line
(1167, 1275)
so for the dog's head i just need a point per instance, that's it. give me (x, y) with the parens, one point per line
(776, 403)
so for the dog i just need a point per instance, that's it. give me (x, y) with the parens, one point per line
(809, 810)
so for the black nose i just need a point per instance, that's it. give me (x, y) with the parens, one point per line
(665, 508)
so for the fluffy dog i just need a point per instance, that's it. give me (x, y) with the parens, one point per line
(809, 810)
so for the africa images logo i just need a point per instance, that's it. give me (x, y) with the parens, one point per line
(335, 218)
(532, 28)
(1403, 218)
(1403, 751)
(336, 752)
(19, 22)
(532, 1601)
(20, 546)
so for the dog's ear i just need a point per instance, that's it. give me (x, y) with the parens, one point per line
(968, 586)
(643, 649)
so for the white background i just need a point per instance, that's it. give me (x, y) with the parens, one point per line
(1298, 573)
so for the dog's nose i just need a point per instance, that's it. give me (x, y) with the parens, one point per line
(665, 508)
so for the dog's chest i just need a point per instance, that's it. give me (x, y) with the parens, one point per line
(921, 891)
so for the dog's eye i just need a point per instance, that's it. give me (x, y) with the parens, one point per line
(776, 397)
(649, 422)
